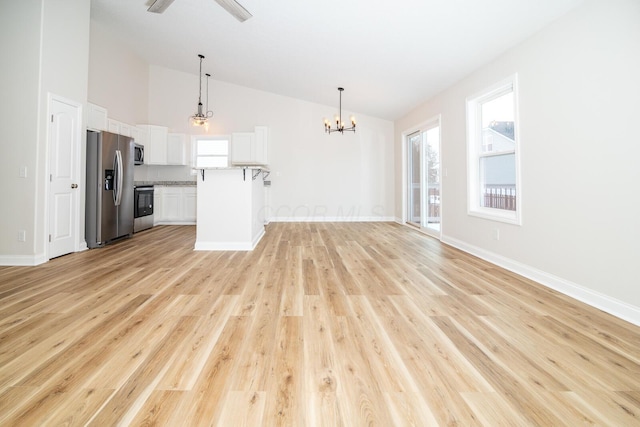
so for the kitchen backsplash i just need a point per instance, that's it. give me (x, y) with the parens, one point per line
(163, 173)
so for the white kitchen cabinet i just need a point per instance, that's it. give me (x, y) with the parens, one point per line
(155, 144)
(176, 149)
(96, 117)
(174, 205)
(262, 145)
(189, 197)
(120, 128)
(135, 134)
(125, 129)
(157, 205)
(242, 146)
(250, 148)
(113, 126)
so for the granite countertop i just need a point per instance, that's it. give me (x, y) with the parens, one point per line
(166, 183)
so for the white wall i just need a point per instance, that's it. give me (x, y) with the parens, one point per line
(579, 92)
(19, 144)
(118, 78)
(45, 49)
(314, 176)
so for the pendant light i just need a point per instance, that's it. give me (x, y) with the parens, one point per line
(200, 118)
(339, 123)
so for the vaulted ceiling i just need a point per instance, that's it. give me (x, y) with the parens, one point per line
(390, 56)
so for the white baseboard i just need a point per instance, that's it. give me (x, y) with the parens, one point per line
(230, 246)
(333, 219)
(595, 299)
(174, 223)
(22, 260)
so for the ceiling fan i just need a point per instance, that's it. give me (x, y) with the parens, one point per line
(231, 6)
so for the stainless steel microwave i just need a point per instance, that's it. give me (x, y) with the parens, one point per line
(138, 154)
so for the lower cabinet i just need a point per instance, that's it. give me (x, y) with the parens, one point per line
(190, 204)
(174, 205)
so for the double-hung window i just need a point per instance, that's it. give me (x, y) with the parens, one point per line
(494, 190)
(210, 151)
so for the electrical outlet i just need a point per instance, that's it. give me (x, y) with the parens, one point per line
(496, 234)
(22, 236)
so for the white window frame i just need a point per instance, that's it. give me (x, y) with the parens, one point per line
(474, 152)
(194, 148)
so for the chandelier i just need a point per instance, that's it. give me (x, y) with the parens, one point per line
(339, 123)
(200, 118)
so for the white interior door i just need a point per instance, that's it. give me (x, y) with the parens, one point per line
(64, 144)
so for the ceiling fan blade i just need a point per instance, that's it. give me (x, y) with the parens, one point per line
(234, 8)
(159, 6)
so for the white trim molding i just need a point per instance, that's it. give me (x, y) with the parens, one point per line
(230, 246)
(595, 299)
(23, 260)
(333, 219)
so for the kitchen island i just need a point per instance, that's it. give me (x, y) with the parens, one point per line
(231, 208)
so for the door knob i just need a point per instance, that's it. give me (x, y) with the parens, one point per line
(74, 185)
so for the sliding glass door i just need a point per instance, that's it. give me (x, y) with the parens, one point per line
(423, 179)
(414, 160)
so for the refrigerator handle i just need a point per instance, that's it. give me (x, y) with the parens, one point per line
(119, 172)
(114, 194)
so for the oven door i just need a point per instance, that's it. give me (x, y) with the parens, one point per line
(143, 205)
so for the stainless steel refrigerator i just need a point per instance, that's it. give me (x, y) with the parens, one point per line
(109, 199)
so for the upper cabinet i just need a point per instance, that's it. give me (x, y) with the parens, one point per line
(135, 134)
(120, 128)
(154, 139)
(162, 147)
(242, 148)
(98, 120)
(177, 149)
(262, 145)
(250, 148)
(96, 117)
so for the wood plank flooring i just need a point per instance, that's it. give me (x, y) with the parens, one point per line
(354, 324)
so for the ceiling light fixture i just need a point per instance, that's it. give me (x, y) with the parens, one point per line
(339, 123)
(200, 118)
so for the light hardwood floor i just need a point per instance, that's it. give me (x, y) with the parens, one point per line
(323, 324)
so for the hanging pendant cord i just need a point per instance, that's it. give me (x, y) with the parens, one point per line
(200, 93)
(340, 124)
(207, 113)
